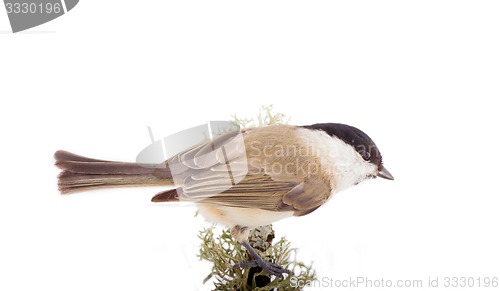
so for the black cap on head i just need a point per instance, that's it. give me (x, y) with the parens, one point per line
(361, 142)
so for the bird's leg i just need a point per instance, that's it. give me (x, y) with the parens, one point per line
(241, 235)
(269, 267)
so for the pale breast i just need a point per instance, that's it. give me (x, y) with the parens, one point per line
(231, 216)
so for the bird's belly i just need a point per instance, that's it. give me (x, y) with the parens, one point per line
(231, 216)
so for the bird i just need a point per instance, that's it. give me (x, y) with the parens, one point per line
(245, 178)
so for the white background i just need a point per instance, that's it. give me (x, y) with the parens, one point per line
(420, 77)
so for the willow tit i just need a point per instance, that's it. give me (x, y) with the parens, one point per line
(248, 178)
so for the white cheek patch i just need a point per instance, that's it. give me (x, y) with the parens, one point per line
(344, 162)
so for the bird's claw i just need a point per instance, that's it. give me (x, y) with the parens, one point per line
(269, 267)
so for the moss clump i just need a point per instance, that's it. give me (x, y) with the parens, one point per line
(265, 117)
(223, 251)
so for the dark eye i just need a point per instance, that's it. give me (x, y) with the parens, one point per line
(366, 156)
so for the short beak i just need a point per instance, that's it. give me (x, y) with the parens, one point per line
(385, 174)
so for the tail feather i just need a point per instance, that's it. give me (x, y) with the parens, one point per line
(67, 156)
(81, 173)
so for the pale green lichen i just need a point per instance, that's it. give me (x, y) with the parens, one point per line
(265, 117)
(223, 251)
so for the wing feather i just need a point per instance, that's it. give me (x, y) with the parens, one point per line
(223, 172)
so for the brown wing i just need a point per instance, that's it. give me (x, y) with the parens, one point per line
(225, 172)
